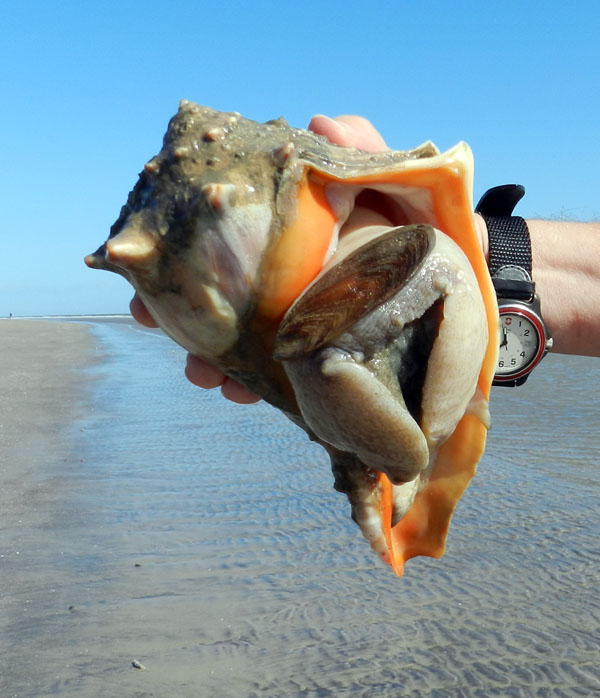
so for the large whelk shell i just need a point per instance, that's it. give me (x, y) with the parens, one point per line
(261, 249)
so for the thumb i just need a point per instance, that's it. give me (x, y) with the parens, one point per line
(349, 130)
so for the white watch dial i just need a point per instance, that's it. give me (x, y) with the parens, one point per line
(519, 343)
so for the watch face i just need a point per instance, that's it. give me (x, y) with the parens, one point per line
(521, 342)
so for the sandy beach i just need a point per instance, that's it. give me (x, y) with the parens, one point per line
(44, 390)
(145, 520)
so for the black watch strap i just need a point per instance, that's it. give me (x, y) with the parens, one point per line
(509, 243)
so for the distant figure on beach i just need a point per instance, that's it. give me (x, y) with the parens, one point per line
(566, 262)
(9, 316)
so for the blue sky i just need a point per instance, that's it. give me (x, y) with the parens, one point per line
(87, 90)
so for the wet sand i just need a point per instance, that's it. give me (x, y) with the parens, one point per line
(143, 519)
(44, 390)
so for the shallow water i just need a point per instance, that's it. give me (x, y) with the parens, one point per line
(204, 539)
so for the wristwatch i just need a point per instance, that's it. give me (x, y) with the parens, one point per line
(524, 338)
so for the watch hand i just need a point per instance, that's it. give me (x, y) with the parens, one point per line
(504, 341)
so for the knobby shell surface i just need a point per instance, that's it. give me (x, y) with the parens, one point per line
(262, 249)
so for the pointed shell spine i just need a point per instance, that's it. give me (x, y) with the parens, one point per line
(283, 154)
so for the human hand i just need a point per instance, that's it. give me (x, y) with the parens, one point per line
(345, 130)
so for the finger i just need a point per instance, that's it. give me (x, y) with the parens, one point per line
(236, 392)
(349, 130)
(202, 374)
(140, 313)
(206, 376)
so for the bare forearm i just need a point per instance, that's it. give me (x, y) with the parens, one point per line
(566, 271)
